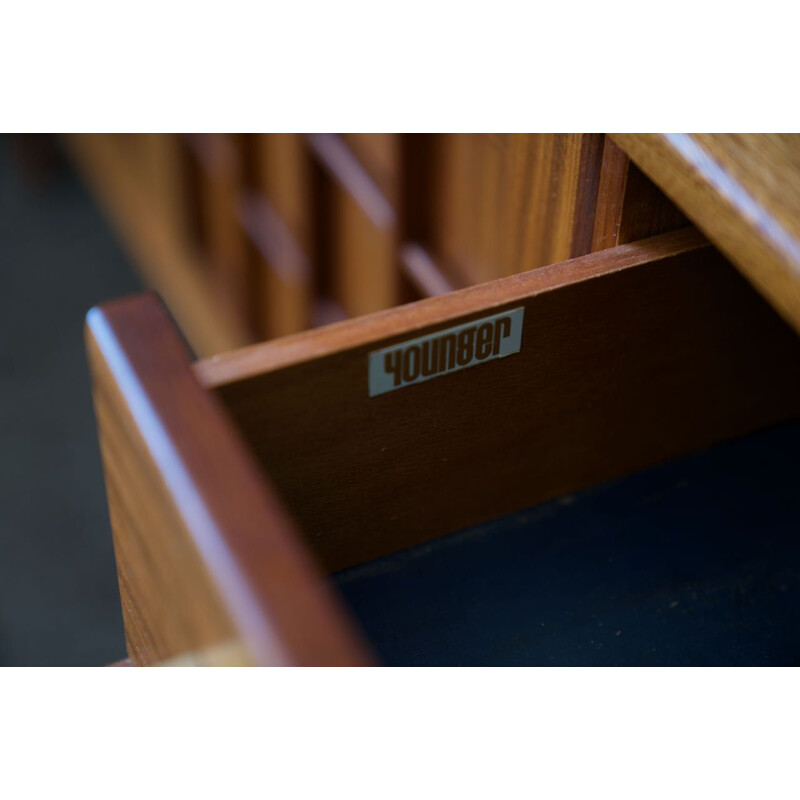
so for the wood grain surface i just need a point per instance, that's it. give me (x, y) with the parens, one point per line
(165, 164)
(511, 202)
(281, 271)
(379, 155)
(629, 205)
(360, 231)
(629, 356)
(282, 171)
(206, 555)
(165, 256)
(221, 182)
(743, 191)
(207, 215)
(277, 214)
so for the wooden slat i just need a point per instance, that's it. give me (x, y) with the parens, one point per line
(420, 275)
(222, 187)
(283, 175)
(281, 292)
(167, 262)
(379, 155)
(168, 182)
(630, 356)
(421, 271)
(276, 212)
(743, 191)
(205, 553)
(361, 231)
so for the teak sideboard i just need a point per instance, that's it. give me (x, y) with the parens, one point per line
(464, 328)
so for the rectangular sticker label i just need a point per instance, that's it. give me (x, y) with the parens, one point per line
(450, 350)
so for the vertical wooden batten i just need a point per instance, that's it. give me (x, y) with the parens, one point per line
(170, 262)
(277, 214)
(361, 230)
(221, 184)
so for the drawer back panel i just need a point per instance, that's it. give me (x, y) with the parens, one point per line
(628, 357)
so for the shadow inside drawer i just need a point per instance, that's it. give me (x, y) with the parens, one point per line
(695, 562)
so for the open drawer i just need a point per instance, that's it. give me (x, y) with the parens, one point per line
(436, 462)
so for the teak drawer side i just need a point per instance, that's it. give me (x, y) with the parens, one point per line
(207, 558)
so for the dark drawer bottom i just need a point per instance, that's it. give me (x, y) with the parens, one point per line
(696, 562)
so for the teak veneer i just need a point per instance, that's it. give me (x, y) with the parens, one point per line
(743, 191)
(236, 482)
(206, 555)
(255, 236)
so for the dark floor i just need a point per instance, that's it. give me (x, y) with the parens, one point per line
(58, 593)
(695, 562)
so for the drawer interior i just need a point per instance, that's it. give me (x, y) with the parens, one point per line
(435, 531)
(480, 498)
(628, 358)
(695, 562)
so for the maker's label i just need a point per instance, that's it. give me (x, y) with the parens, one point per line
(436, 354)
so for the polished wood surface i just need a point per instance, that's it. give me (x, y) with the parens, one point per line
(221, 185)
(380, 155)
(166, 257)
(281, 271)
(205, 553)
(362, 231)
(629, 356)
(282, 171)
(629, 206)
(743, 191)
(166, 167)
(511, 202)
(232, 480)
(255, 236)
